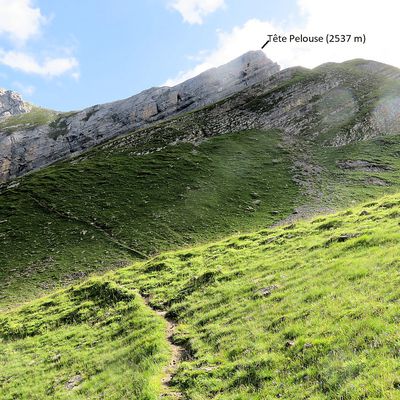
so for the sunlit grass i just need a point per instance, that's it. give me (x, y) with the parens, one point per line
(307, 310)
(95, 340)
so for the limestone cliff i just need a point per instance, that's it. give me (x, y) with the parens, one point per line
(31, 145)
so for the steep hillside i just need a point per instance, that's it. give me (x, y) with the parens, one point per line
(307, 310)
(97, 336)
(300, 142)
(30, 142)
(97, 213)
(301, 309)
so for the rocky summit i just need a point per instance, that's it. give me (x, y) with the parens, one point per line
(11, 103)
(42, 136)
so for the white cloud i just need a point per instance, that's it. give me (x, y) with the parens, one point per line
(230, 45)
(20, 20)
(194, 11)
(378, 20)
(26, 90)
(50, 67)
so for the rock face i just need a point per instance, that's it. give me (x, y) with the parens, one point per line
(335, 101)
(26, 148)
(11, 103)
(331, 106)
(334, 104)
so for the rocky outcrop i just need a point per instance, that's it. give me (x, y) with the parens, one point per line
(334, 104)
(30, 147)
(330, 106)
(11, 103)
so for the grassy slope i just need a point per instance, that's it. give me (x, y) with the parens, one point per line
(187, 194)
(304, 311)
(338, 116)
(95, 340)
(182, 195)
(36, 117)
(327, 329)
(173, 196)
(41, 249)
(354, 185)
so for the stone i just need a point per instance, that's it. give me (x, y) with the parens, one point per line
(56, 357)
(363, 165)
(150, 110)
(376, 181)
(73, 382)
(267, 291)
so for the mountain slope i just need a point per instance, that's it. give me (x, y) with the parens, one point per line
(301, 142)
(97, 213)
(41, 137)
(307, 310)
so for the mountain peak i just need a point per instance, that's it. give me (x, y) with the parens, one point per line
(11, 103)
(243, 69)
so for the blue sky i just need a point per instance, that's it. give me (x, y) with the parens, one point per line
(72, 54)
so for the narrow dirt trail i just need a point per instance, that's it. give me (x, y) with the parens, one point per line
(177, 352)
(177, 355)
